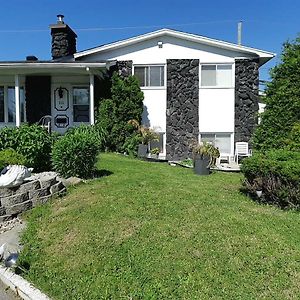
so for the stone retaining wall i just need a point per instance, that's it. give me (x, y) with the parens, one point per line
(38, 190)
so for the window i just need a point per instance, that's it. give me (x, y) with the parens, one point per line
(2, 104)
(220, 140)
(8, 104)
(158, 144)
(150, 75)
(81, 100)
(216, 75)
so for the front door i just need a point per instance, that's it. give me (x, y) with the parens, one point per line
(61, 108)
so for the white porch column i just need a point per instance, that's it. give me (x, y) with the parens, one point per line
(92, 100)
(17, 100)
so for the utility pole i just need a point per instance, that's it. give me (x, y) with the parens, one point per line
(239, 37)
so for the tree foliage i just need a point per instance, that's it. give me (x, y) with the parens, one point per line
(282, 101)
(126, 103)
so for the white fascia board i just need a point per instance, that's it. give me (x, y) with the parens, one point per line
(60, 65)
(181, 35)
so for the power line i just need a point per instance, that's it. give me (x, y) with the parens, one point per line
(121, 28)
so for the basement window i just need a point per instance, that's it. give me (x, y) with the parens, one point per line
(219, 140)
(216, 75)
(150, 76)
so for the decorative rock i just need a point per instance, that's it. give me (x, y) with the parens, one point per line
(41, 200)
(6, 192)
(38, 193)
(2, 211)
(56, 188)
(15, 199)
(5, 218)
(182, 107)
(73, 181)
(29, 186)
(18, 208)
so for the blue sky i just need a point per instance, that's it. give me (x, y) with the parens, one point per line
(24, 25)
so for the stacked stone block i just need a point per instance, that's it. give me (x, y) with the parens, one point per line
(14, 201)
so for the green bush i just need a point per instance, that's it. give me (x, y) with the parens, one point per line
(126, 104)
(75, 153)
(282, 101)
(11, 157)
(32, 141)
(131, 144)
(277, 174)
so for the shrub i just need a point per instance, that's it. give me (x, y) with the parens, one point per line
(131, 144)
(33, 142)
(282, 101)
(126, 103)
(277, 174)
(11, 157)
(75, 153)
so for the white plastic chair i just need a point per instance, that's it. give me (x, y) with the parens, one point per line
(242, 150)
(45, 122)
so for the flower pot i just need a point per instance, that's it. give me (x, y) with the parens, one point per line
(201, 165)
(142, 150)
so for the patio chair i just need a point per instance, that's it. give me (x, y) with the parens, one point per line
(241, 150)
(45, 122)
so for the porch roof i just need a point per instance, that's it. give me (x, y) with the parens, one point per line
(52, 67)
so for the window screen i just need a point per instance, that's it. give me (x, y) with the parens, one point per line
(150, 75)
(216, 75)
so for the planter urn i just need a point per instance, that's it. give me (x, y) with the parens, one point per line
(142, 150)
(201, 165)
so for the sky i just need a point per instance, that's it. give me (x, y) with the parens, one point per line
(24, 24)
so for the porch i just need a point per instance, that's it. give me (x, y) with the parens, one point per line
(66, 91)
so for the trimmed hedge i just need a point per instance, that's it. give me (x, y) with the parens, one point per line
(11, 157)
(277, 174)
(75, 153)
(32, 141)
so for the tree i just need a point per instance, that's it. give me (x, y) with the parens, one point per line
(126, 103)
(282, 101)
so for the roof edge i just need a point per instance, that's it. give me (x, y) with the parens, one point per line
(179, 34)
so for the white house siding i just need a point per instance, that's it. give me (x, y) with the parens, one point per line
(216, 106)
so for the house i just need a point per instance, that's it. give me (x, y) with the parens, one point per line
(194, 86)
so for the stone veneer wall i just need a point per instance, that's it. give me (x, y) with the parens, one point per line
(182, 107)
(246, 98)
(16, 200)
(63, 41)
(123, 67)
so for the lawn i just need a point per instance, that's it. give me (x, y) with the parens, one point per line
(152, 231)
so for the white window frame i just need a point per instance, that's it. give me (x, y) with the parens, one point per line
(217, 86)
(6, 87)
(155, 87)
(82, 86)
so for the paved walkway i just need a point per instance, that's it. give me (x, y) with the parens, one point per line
(7, 294)
(11, 238)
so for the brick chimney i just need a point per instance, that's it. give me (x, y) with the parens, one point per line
(63, 39)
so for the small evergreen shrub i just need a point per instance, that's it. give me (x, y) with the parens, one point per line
(75, 153)
(277, 174)
(126, 103)
(11, 157)
(32, 141)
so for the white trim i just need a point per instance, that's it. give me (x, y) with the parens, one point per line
(52, 65)
(92, 100)
(17, 100)
(181, 35)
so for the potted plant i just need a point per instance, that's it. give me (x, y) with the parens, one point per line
(155, 151)
(204, 156)
(146, 136)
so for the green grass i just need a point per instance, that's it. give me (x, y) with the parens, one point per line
(152, 231)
